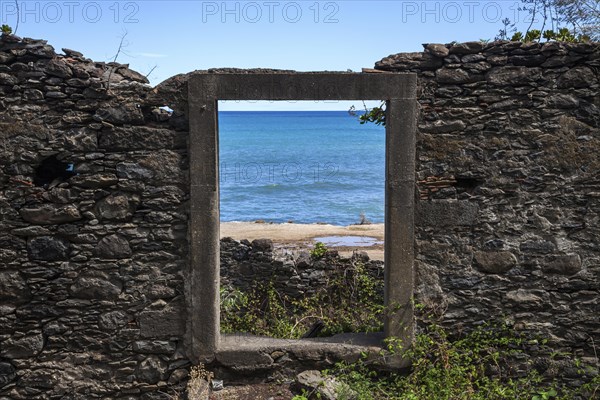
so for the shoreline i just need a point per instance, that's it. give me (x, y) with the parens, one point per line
(302, 236)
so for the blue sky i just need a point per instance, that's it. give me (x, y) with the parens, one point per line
(305, 35)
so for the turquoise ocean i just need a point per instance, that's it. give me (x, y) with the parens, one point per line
(300, 166)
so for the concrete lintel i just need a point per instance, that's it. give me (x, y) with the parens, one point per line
(305, 86)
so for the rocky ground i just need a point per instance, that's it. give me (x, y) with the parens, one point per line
(303, 236)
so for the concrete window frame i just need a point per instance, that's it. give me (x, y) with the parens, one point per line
(202, 337)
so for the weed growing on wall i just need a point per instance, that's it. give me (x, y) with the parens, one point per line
(486, 364)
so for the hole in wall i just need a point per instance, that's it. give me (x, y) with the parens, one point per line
(468, 184)
(53, 171)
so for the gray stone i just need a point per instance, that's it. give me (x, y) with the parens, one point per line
(428, 289)
(9, 80)
(513, 76)
(447, 213)
(6, 58)
(23, 347)
(130, 170)
(527, 60)
(441, 126)
(113, 247)
(101, 180)
(49, 214)
(580, 77)
(154, 347)
(494, 262)
(78, 83)
(39, 379)
(160, 291)
(181, 375)
(151, 370)
(111, 321)
(132, 75)
(62, 195)
(473, 58)
(140, 137)
(72, 53)
(560, 61)
(466, 48)
(48, 248)
(33, 94)
(452, 75)
(81, 140)
(7, 255)
(232, 358)
(7, 373)
(408, 61)
(98, 287)
(59, 68)
(563, 101)
(162, 323)
(538, 246)
(262, 245)
(126, 113)
(31, 231)
(118, 207)
(524, 296)
(437, 50)
(564, 264)
(497, 59)
(328, 388)
(56, 95)
(165, 166)
(13, 288)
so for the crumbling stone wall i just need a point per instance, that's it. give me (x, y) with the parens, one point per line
(93, 227)
(508, 169)
(93, 208)
(245, 265)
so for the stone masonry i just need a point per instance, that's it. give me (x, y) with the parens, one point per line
(90, 261)
(508, 180)
(94, 208)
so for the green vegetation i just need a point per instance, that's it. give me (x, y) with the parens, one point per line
(6, 30)
(487, 363)
(352, 301)
(492, 362)
(375, 115)
(569, 20)
(563, 35)
(319, 250)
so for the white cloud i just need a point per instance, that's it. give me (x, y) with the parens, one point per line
(152, 55)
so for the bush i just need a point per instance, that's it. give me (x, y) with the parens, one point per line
(352, 301)
(484, 364)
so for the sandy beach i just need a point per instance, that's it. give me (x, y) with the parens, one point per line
(345, 239)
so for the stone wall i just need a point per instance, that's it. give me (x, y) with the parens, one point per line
(93, 209)
(93, 227)
(509, 185)
(294, 273)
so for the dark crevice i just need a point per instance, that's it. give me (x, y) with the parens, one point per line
(52, 170)
(468, 184)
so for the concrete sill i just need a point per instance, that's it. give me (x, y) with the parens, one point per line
(243, 354)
